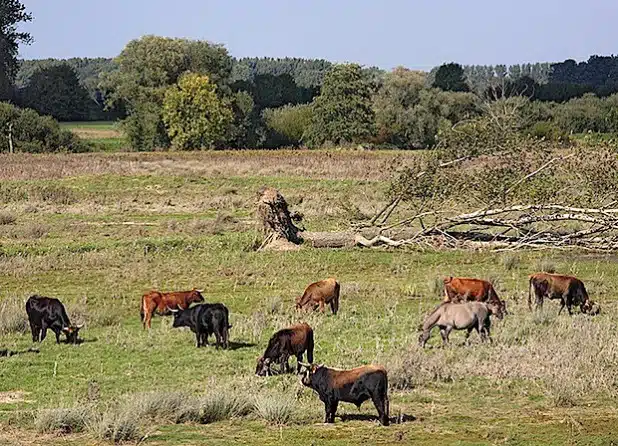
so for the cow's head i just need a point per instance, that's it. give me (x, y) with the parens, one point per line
(72, 333)
(591, 308)
(180, 318)
(195, 296)
(496, 309)
(263, 367)
(308, 374)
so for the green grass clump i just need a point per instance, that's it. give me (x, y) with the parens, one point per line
(63, 420)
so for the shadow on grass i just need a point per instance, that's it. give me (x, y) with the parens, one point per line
(238, 345)
(6, 352)
(399, 419)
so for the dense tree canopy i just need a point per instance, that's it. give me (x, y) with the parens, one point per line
(194, 115)
(342, 113)
(450, 77)
(12, 13)
(56, 91)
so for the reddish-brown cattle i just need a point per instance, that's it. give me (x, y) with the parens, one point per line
(462, 289)
(291, 341)
(570, 290)
(155, 301)
(319, 294)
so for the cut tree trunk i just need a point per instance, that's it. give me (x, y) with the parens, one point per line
(275, 219)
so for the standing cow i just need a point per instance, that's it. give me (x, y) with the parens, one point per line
(319, 294)
(160, 303)
(47, 312)
(291, 341)
(570, 290)
(204, 320)
(463, 289)
(352, 386)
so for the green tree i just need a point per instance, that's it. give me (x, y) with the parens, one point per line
(147, 67)
(56, 91)
(408, 114)
(194, 115)
(287, 124)
(12, 13)
(342, 113)
(450, 77)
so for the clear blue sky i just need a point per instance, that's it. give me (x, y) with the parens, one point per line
(417, 34)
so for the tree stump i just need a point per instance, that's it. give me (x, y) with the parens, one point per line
(275, 218)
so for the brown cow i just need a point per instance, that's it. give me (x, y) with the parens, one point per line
(369, 382)
(291, 341)
(570, 290)
(319, 294)
(155, 301)
(462, 289)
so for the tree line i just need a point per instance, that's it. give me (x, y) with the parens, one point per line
(188, 94)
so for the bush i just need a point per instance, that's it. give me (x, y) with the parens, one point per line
(274, 408)
(13, 316)
(35, 133)
(287, 124)
(117, 427)
(63, 420)
(7, 218)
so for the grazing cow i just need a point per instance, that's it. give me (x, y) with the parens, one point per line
(292, 341)
(464, 289)
(351, 386)
(460, 316)
(155, 301)
(47, 312)
(319, 294)
(570, 290)
(204, 320)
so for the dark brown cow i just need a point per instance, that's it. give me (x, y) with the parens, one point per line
(319, 294)
(291, 341)
(352, 386)
(463, 289)
(155, 301)
(570, 290)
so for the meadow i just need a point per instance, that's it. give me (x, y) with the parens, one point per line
(98, 230)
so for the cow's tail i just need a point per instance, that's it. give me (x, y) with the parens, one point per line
(387, 404)
(310, 346)
(141, 308)
(530, 285)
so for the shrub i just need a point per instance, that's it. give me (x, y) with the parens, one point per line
(216, 406)
(274, 408)
(63, 420)
(287, 124)
(13, 316)
(35, 133)
(116, 427)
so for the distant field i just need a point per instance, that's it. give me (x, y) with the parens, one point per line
(105, 135)
(98, 230)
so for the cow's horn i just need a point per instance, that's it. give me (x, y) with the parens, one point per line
(200, 291)
(79, 326)
(303, 364)
(179, 307)
(173, 311)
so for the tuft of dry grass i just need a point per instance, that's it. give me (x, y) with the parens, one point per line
(546, 266)
(6, 218)
(275, 408)
(63, 420)
(13, 316)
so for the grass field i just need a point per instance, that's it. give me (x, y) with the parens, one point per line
(98, 230)
(105, 136)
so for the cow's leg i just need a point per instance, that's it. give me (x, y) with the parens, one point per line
(380, 404)
(217, 339)
(468, 331)
(43, 332)
(322, 306)
(35, 329)
(284, 364)
(57, 333)
(331, 410)
(198, 338)
(562, 304)
(299, 359)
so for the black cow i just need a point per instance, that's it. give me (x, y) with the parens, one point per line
(204, 320)
(292, 341)
(352, 386)
(47, 312)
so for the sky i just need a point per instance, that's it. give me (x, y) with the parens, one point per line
(418, 34)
